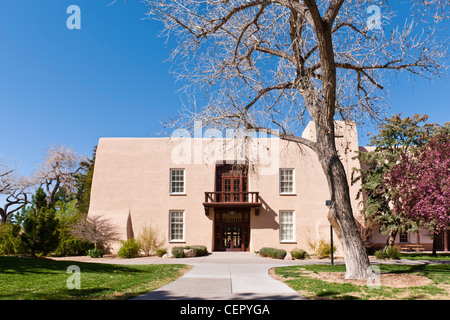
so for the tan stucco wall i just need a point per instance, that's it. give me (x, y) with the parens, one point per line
(132, 177)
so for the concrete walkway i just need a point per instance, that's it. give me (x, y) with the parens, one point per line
(226, 276)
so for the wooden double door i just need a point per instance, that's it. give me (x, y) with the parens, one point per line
(231, 184)
(232, 230)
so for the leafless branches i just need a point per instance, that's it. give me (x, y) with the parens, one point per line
(14, 191)
(96, 229)
(260, 63)
(58, 170)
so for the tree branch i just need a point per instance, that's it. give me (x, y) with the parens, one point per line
(317, 21)
(288, 137)
(255, 22)
(332, 11)
(274, 52)
(230, 14)
(280, 86)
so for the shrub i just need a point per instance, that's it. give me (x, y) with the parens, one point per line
(69, 246)
(129, 249)
(272, 253)
(323, 249)
(161, 252)
(199, 250)
(9, 239)
(150, 239)
(299, 254)
(388, 253)
(178, 252)
(95, 253)
(96, 229)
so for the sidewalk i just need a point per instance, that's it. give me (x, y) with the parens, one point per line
(226, 276)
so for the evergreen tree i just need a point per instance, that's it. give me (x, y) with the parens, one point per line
(40, 226)
(83, 182)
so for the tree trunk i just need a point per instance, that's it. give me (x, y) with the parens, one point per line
(391, 238)
(435, 237)
(341, 213)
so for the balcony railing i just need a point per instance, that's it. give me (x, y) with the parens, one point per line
(224, 198)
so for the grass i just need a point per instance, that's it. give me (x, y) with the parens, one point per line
(297, 277)
(425, 256)
(44, 279)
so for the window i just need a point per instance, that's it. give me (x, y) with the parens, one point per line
(287, 226)
(403, 237)
(177, 226)
(177, 181)
(287, 181)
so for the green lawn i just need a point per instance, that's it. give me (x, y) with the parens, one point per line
(299, 278)
(45, 279)
(425, 256)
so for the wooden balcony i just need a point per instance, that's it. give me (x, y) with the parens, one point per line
(232, 199)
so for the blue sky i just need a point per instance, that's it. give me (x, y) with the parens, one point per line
(109, 79)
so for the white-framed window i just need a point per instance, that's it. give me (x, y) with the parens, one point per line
(287, 226)
(176, 225)
(287, 181)
(177, 181)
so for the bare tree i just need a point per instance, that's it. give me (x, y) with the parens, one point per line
(275, 64)
(58, 170)
(14, 190)
(95, 229)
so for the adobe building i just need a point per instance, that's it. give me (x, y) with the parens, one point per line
(229, 194)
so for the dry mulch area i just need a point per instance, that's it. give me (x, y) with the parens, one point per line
(395, 280)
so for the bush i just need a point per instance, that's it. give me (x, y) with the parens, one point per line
(161, 252)
(69, 246)
(388, 253)
(199, 250)
(129, 249)
(9, 239)
(272, 253)
(299, 254)
(150, 239)
(323, 249)
(95, 253)
(178, 252)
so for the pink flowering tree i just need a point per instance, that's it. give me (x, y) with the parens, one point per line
(420, 183)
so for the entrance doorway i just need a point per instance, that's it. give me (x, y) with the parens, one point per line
(232, 230)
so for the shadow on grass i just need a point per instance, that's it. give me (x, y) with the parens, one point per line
(333, 295)
(62, 294)
(22, 265)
